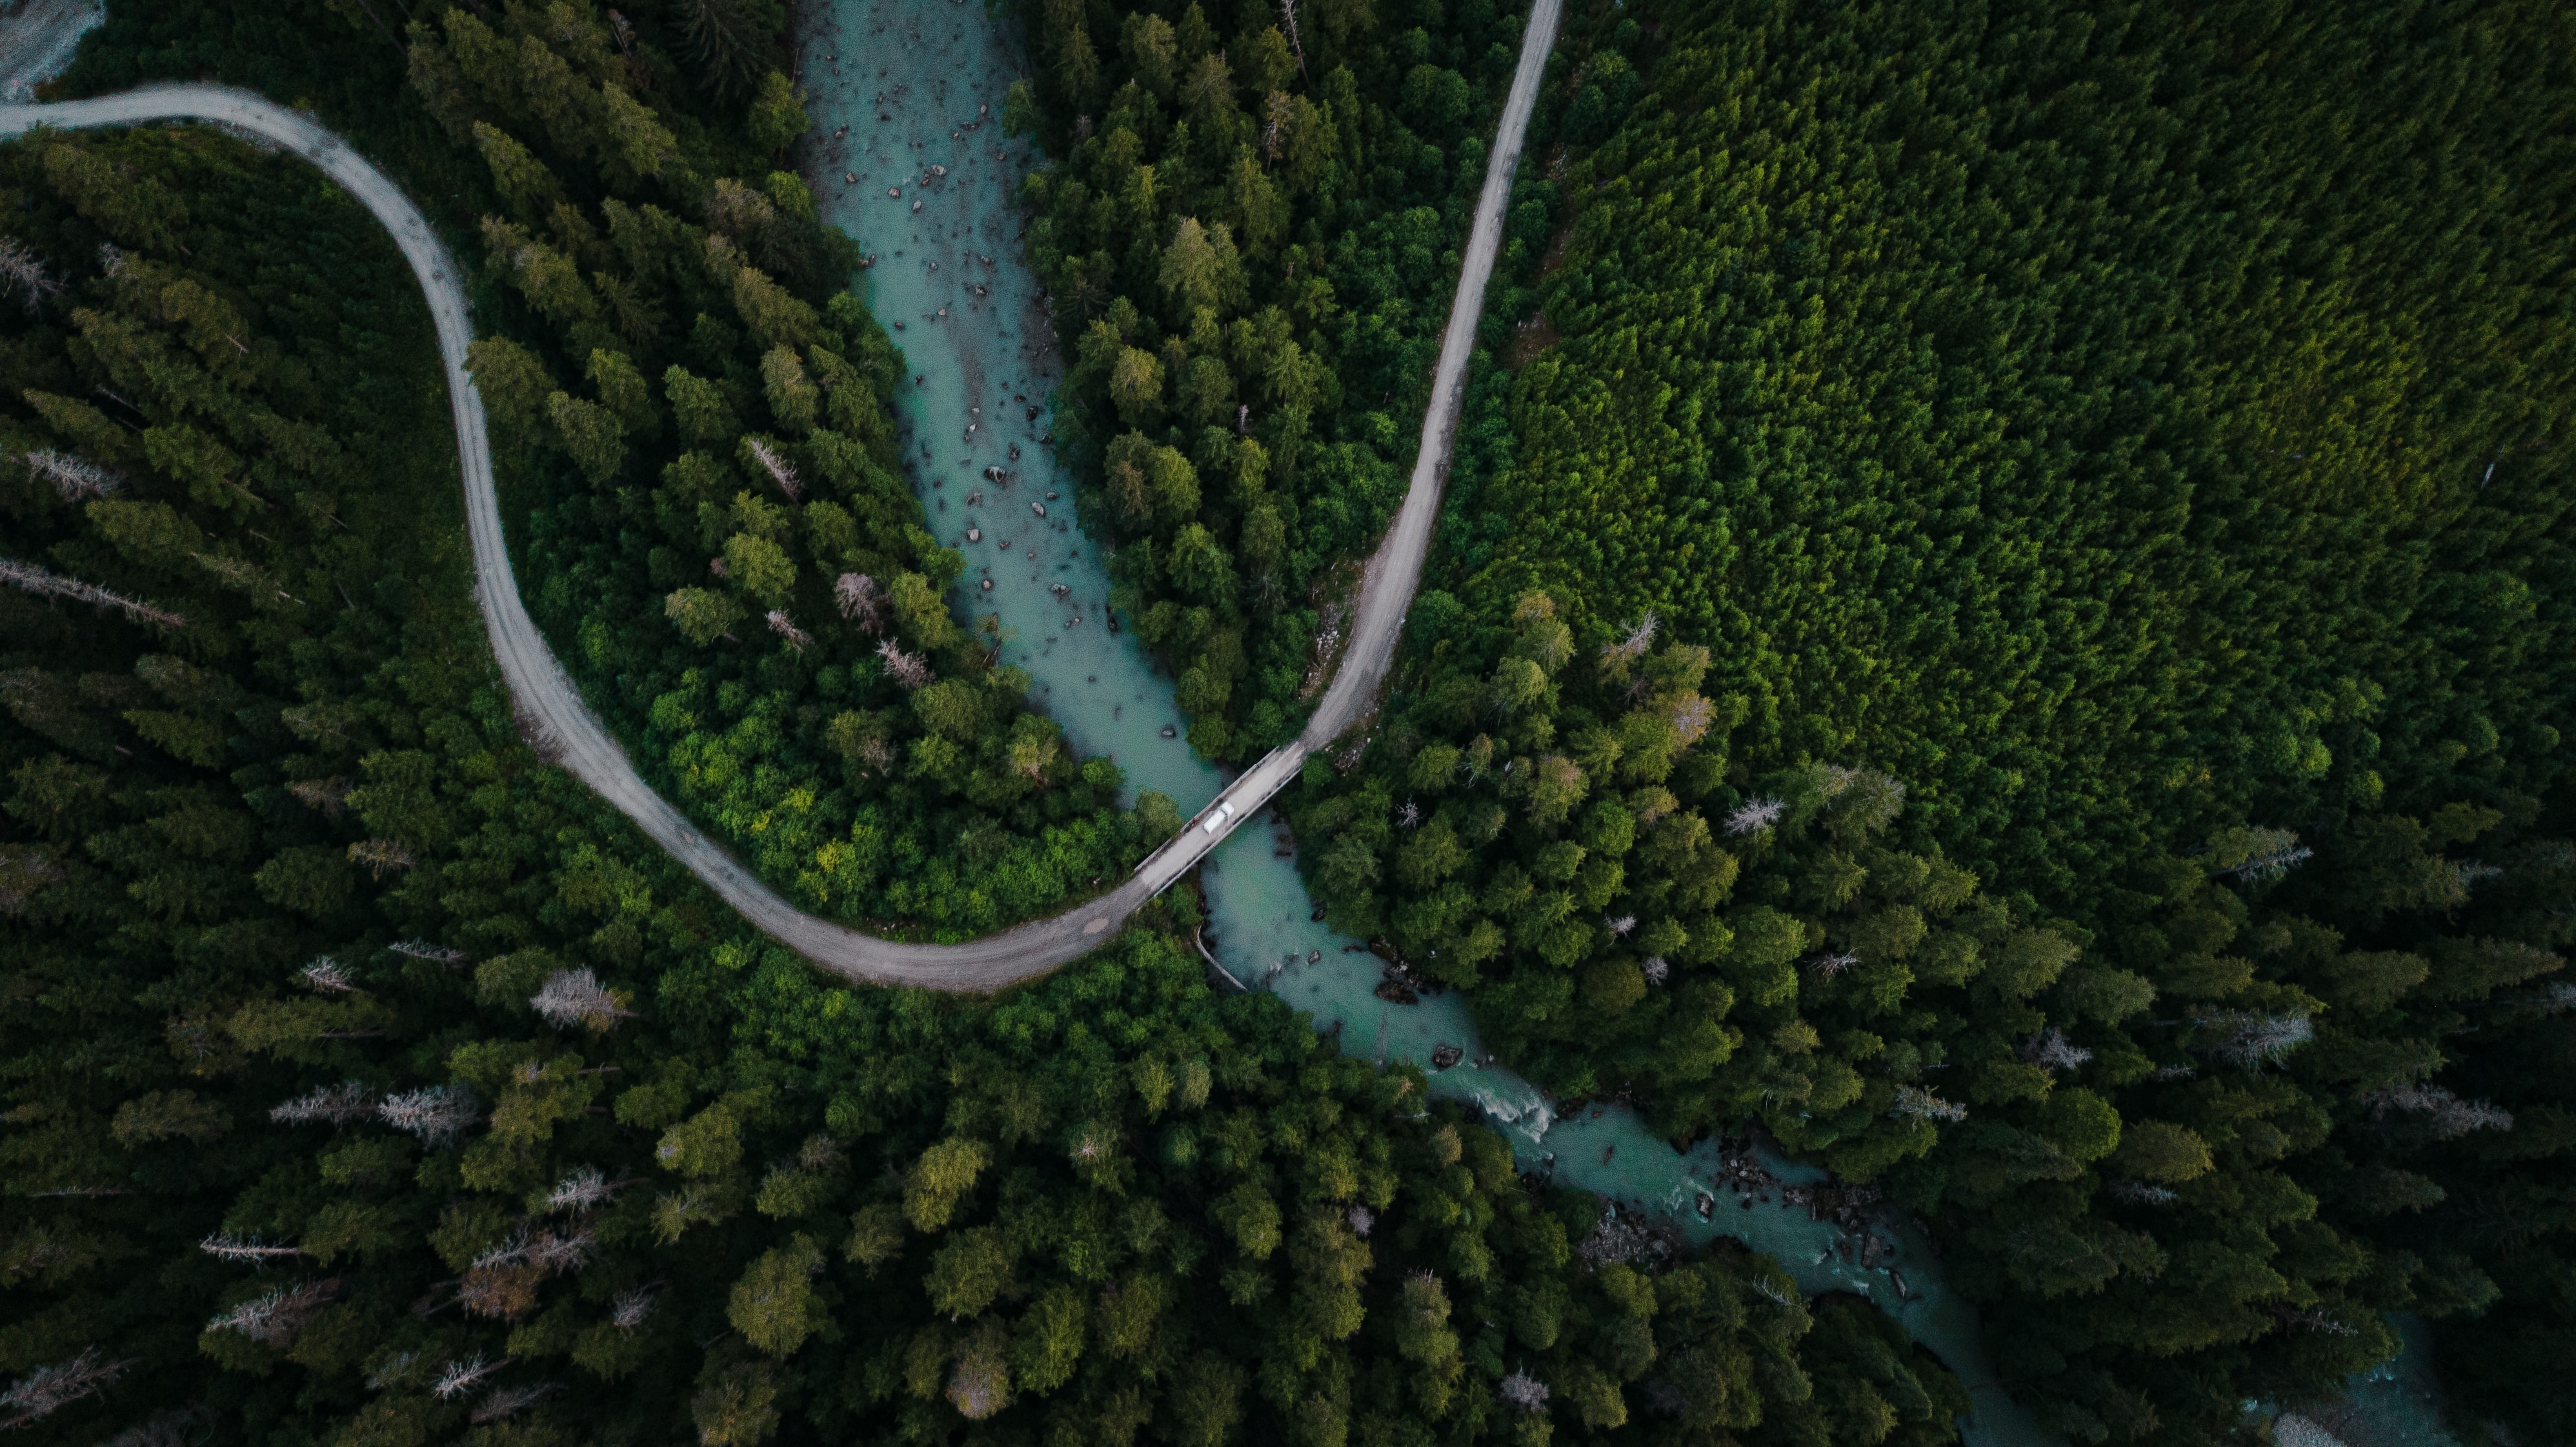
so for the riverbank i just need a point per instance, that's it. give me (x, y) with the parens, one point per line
(906, 97)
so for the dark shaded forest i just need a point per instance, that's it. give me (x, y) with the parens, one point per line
(2002, 619)
(369, 1082)
(696, 448)
(2010, 625)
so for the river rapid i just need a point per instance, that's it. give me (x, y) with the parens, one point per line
(911, 161)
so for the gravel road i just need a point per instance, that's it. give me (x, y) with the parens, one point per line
(568, 734)
(37, 39)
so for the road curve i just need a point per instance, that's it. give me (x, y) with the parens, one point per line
(567, 733)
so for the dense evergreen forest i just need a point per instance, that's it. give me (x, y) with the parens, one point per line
(692, 427)
(2002, 618)
(1251, 241)
(2070, 420)
(370, 1083)
(2010, 624)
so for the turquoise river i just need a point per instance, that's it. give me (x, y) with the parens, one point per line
(912, 161)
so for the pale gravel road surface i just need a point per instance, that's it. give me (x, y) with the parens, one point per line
(551, 709)
(38, 41)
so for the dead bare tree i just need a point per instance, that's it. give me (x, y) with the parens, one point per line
(2448, 1115)
(1276, 112)
(785, 627)
(460, 1375)
(1691, 718)
(327, 976)
(1616, 656)
(49, 1389)
(1913, 1102)
(861, 601)
(631, 1308)
(777, 468)
(547, 1250)
(24, 272)
(23, 871)
(325, 795)
(584, 1189)
(2051, 1050)
(1755, 816)
(47, 584)
(576, 997)
(2269, 854)
(337, 1104)
(909, 669)
(75, 478)
(274, 1319)
(437, 1113)
(225, 1246)
(2254, 1040)
(878, 753)
(1288, 22)
(1524, 1391)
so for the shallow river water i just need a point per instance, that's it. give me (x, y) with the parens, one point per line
(908, 96)
(900, 87)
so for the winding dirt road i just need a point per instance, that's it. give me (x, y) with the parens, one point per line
(550, 706)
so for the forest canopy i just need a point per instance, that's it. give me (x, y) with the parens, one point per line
(2037, 420)
(2008, 623)
(1250, 234)
(2001, 621)
(694, 435)
(371, 1082)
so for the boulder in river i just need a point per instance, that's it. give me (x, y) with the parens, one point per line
(1039, 508)
(1444, 1056)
